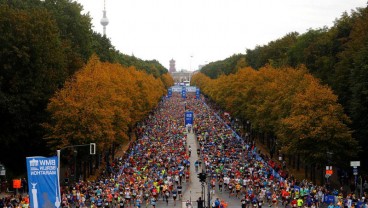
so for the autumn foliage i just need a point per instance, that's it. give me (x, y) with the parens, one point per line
(100, 104)
(43, 44)
(289, 103)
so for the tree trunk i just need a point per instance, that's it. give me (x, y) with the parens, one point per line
(322, 174)
(298, 162)
(113, 151)
(90, 163)
(305, 171)
(98, 161)
(84, 170)
(313, 175)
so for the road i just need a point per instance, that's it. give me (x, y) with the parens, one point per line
(193, 190)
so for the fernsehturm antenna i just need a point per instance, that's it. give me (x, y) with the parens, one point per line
(104, 20)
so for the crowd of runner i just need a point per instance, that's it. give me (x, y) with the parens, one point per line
(236, 168)
(156, 167)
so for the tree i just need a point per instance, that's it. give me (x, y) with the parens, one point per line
(317, 125)
(354, 59)
(167, 80)
(93, 106)
(75, 27)
(33, 67)
(227, 66)
(103, 48)
(289, 103)
(101, 104)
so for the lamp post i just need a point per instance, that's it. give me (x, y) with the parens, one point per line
(209, 190)
(92, 151)
(2, 170)
(2, 173)
(355, 165)
(208, 181)
(248, 131)
(190, 67)
(203, 171)
(329, 170)
(75, 164)
(208, 176)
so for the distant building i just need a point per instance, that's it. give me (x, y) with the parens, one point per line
(172, 66)
(181, 76)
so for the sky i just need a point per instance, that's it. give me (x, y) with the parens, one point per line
(197, 32)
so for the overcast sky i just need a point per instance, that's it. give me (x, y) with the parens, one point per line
(196, 32)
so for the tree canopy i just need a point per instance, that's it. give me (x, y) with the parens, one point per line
(99, 104)
(289, 103)
(32, 67)
(228, 66)
(335, 55)
(44, 43)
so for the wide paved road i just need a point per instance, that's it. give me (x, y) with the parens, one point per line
(194, 189)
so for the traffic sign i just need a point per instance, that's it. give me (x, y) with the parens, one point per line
(329, 172)
(355, 171)
(354, 163)
(17, 183)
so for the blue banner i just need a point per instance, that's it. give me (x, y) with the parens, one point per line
(198, 93)
(43, 181)
(329, 199)
(184, 93)
(169, 93)
(188, 118)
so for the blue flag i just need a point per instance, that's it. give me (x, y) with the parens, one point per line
(188, 118)
(198, 93)
(43, 181)
(169, 93)
(184, 92)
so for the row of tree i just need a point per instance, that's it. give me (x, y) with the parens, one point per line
(289, 104)
(336, 55)
(101, 104)
(43, 44)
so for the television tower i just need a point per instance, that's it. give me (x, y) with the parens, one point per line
(104, 21)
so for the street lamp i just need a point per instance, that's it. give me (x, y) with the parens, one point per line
(191, 57)
(2, 170)
(203, 170)
(2, 173)
(92, 151)
(75, 164)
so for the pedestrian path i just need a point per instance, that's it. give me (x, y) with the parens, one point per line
(194, 189)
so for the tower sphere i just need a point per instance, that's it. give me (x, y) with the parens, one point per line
(104, 21)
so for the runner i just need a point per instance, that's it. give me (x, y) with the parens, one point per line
(157, 161)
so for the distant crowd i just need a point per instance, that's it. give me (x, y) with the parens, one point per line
(156, 168)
